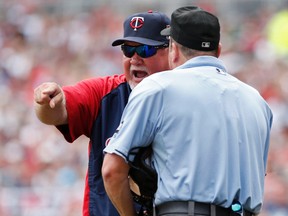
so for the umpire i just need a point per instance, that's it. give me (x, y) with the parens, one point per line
(210, 132)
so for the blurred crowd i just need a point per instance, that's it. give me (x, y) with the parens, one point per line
(42, 174)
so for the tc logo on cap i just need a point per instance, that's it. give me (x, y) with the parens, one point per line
(137, 22)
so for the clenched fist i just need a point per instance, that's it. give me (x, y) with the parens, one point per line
(49, 104)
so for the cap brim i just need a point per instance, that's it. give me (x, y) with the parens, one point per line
(137, 40)
(166, 31)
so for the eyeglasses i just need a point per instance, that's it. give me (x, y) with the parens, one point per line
(144, 51)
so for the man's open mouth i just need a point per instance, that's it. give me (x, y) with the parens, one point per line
(140, 74)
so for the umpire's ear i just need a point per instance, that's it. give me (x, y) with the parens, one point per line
(219, 50)
(174, 55)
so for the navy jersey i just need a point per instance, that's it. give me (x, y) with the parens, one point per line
(94, 109)
(104, 126)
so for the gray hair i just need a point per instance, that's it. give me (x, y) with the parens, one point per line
(190, 53)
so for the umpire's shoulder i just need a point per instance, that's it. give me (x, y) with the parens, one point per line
(154, 82)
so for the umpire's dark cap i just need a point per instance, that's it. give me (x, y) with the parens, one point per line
(194, 28)
(145, 28)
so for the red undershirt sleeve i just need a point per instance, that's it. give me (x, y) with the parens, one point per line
(83, 102)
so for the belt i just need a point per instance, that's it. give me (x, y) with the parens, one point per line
(191, 208)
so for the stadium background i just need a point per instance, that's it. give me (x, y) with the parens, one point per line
(66, 41)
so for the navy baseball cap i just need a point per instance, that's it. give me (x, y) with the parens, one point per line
(194, 28)
(145, 28)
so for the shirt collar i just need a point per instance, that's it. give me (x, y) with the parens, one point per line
(201, 61)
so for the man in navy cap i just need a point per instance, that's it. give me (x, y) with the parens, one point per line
(94, 107)
(209, 131)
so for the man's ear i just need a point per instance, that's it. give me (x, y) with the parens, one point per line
(219, 50)
(174, 55)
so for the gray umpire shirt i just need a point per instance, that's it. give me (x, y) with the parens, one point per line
(210, 134)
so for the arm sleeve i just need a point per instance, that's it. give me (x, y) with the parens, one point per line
(140, 121)
(83, 102)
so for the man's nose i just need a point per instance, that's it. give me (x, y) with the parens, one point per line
(136, 59)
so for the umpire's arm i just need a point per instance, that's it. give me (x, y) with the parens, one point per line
(115, 175)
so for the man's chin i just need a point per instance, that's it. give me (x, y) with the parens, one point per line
(133, 83)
